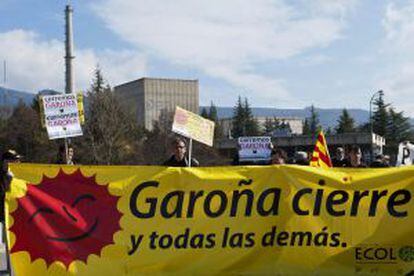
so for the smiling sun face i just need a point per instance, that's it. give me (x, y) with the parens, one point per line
(65, 218)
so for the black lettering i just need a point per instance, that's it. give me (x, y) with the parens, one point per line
(134, 198)
(331, 202)
(178, 207)
(273, 210)
(222, 204)
(235, 202)
(393, 201)
(355, 201)
(376, 196)
(296, 199)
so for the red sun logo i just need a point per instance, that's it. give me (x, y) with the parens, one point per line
(65, 218)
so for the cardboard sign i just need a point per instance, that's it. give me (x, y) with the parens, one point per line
(61, 116)
(193, 126)
(255, 148)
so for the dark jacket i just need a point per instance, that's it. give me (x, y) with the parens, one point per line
(172, 162)
(5, 179)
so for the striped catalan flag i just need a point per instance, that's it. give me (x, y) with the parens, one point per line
(320, 156)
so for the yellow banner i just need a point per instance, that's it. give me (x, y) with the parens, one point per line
(270, 220)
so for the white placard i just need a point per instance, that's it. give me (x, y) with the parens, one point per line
(61, 116)
(255, 148)
(405, 154)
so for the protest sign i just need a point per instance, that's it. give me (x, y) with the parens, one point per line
(405, 154)
(255, 148)
(193, 126)
(61, 116)
(103, 220)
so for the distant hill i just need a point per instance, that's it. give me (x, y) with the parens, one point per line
(327, 117)
(10, 97)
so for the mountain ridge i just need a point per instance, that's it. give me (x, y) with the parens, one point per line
(328, 116)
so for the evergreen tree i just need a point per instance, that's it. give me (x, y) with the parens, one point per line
(252, 126)
(306, 128)
(346, 123)
(398, 129)
(313, 122)
(380, 116)
(110, 132)
(328, 131)
(204, 113)
(238, 126)
(244, 123)
(268, 126)
(212, 115)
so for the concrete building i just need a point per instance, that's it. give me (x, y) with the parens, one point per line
(296, 125)
(147, 98)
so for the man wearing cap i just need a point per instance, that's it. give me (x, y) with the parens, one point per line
(9, 156)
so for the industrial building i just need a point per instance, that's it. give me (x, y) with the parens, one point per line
(147, 98)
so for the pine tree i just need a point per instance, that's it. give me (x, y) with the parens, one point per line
(238, 128)
(380, 117)
(204, 113)
(110, 132)
(268, 126)
(346, 123)
(314, 126)
(306, 128)
(398, 129)
(252, 126)
(212, 115)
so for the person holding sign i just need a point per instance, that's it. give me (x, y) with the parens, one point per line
(179, 158)
(64, 159)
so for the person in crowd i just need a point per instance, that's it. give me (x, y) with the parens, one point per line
(301, 158)
(61, 156)
(379, 162)
(387, 160)
(9, 156)
(279, 156)
(179, 158)
(339, 159)
(355, 158)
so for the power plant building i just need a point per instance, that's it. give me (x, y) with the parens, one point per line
(149, 97)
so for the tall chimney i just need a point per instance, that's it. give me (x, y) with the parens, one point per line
(69, 50)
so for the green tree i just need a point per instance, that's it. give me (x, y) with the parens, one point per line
(110, 133)
(398, 129)
(204, 113)
(238, 121)
(306, 127)
(268, 126)
(213, 116)
(380, 115)
(22, 132)
(312, 126)
(346, 123)
(244, 123)
(252, 126)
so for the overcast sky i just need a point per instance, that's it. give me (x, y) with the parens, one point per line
(283, 54)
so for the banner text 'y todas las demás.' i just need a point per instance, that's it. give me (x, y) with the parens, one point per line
(103, 220)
